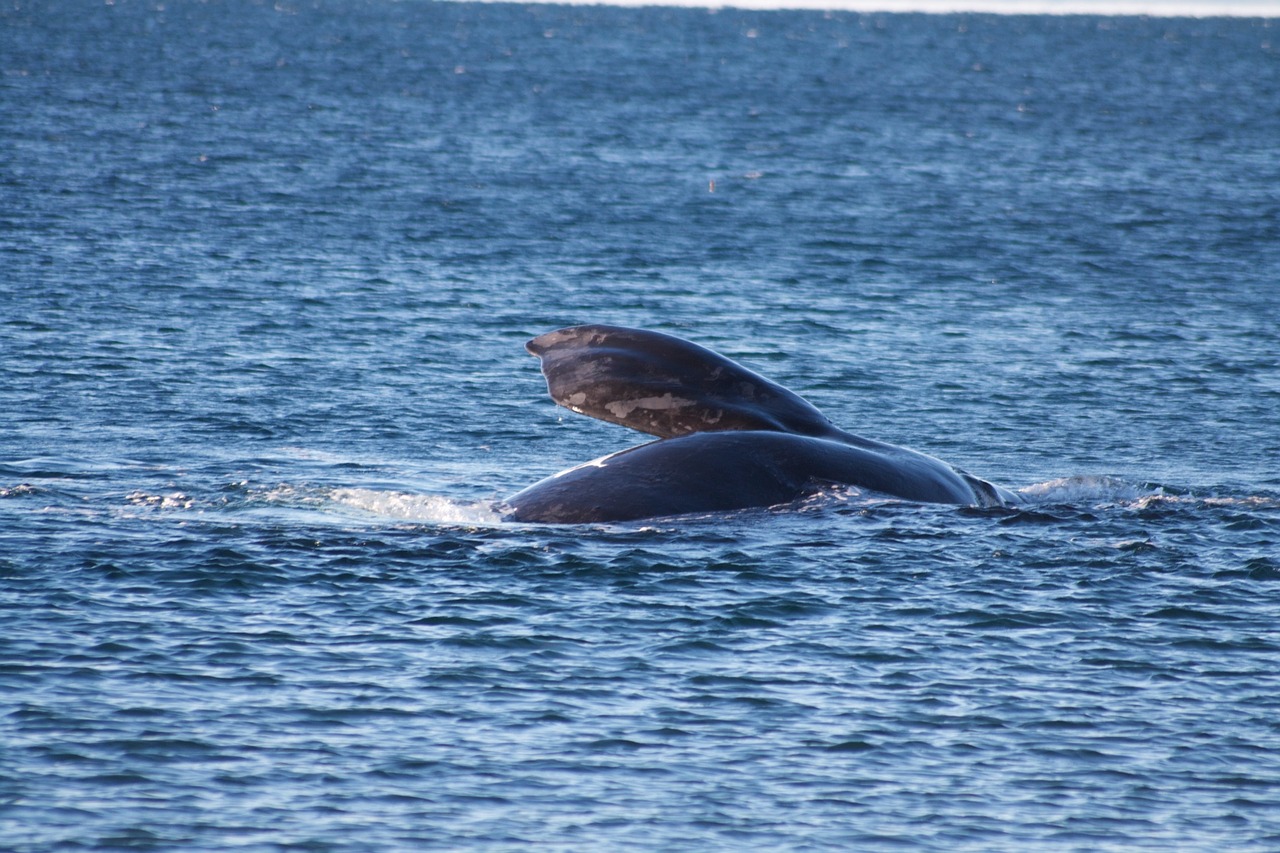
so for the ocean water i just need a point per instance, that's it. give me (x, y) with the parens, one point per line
(266, 272)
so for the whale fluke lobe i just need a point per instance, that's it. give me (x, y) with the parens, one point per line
(729, 438)
(663, 385)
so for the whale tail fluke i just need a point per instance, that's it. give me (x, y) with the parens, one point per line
(731, 438)
(665, 386)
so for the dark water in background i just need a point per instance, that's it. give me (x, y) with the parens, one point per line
(265, 277)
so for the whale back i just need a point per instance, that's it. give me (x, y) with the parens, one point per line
(665, 386)
(724, 471)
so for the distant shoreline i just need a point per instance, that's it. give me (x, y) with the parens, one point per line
(1105, 8)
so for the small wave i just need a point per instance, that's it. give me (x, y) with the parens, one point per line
(173, 500)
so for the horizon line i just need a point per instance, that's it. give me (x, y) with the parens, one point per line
(1099, 8)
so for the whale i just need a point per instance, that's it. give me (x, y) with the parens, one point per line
(727, 438)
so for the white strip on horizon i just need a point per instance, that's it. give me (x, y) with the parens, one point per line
(1108, 8)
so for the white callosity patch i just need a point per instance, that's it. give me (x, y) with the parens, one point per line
(664, 403)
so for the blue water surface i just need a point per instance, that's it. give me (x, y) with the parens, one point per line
(266, 272)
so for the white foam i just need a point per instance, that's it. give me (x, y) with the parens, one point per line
(428, 509)
(173, 500)
(1081, 490)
